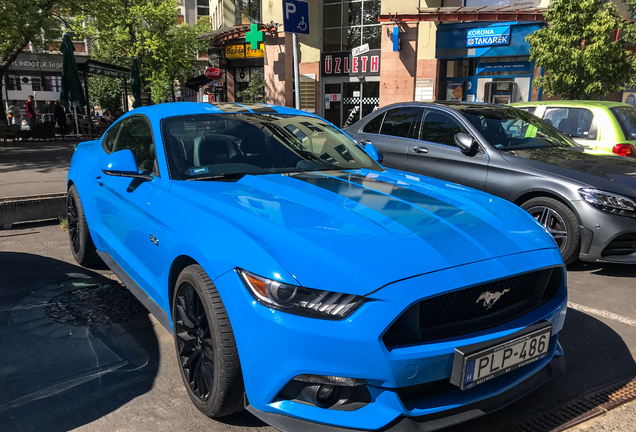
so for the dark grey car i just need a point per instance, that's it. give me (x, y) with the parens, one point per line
(587, 202)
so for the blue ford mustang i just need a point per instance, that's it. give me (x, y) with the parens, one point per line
(304, 282)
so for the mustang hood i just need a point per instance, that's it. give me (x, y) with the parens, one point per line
(612, 173)
(357, 231)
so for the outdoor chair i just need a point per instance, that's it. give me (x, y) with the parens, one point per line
(88, 129)
(12, 132)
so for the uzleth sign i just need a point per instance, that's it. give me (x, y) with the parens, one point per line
(488, 36)
(345, 64)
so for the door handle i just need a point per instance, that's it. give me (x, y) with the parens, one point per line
(420, 150)
(101, 183)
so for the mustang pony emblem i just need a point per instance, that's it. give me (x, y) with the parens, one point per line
(490, 298)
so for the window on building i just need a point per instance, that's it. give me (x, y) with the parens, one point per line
(308, 93)
(36, 83)
(203, 8)
(247, 11)
(51, 83)
(351, 23)
(13, 82)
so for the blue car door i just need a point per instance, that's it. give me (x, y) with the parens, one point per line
(123, 203)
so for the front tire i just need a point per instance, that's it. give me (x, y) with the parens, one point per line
(560, 221)
(82, 245)
(206, 349)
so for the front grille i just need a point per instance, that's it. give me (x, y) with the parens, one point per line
(473, 309)
(622, 245)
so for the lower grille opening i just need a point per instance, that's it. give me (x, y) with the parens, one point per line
(421, 391)
(622, 245)
(473, 309)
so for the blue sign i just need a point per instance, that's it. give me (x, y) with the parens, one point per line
(488, 36)
(396, 38)
(296, 16)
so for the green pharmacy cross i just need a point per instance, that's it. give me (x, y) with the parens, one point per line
(254, 36)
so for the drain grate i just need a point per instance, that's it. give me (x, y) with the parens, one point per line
(581, 409)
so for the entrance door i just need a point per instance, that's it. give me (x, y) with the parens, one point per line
(351, 99)
(332, 108)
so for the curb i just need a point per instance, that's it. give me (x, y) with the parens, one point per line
(31, 208)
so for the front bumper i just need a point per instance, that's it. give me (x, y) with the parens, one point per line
(430, 422)
(274, 347)
(600, 231)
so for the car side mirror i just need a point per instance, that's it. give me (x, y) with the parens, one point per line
(466, 144)
(122, 164)
(374, 152)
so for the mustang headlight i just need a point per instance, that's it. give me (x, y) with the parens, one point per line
(610, 202)
(300, 300)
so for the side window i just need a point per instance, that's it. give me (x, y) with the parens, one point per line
(399, 122)
(135, 135)
(109, 139)
(440, 127)
(374, 125)
(575, 122)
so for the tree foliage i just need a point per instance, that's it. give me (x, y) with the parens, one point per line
(106, 92)
(579, 52)
(23, 23)
(255, 91)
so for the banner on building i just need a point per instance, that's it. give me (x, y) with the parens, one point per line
(345, 64)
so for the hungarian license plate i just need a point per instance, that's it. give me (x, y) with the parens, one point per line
(475, 365)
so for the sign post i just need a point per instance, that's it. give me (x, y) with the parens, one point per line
(296, 20)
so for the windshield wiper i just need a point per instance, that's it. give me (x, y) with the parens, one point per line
(229, 176)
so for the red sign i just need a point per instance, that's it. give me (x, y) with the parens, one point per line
(213, 73)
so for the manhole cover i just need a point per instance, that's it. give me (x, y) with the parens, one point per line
(95, 305)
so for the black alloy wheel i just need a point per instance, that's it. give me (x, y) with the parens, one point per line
(205, 345)
(194, 344)
(79, 236)
(560, 222)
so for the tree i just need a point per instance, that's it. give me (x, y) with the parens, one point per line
(255, 91)
(106, 92)
(580, 52)
(23, 23)
(148, 30)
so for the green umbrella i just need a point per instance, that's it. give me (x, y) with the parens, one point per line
(135, 83)
(71, 91)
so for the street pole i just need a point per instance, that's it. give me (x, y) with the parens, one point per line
(296, 73)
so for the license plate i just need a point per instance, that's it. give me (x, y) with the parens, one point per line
(475, 365)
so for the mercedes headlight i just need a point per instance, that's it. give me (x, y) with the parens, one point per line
(299, 300)
(610, 202)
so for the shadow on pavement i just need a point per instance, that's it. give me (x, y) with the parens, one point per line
(42, 156)
(57, 377)
(604, 269)
(595, 356)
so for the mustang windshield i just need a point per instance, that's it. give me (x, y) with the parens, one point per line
(513, 129)
(213, 146)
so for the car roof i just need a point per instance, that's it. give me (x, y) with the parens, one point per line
(570, 103)
(173, 109)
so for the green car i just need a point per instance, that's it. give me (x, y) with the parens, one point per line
(598, 125)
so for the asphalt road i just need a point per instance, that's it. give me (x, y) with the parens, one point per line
(123, 376)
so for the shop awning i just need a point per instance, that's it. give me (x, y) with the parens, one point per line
(94, 67)
(220, 36)
(197, 82)
(482, 13)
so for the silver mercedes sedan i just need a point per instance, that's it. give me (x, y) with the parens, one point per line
(587, 202)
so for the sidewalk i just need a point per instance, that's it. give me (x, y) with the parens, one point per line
(34, 168)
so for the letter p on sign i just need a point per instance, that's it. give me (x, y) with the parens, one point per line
(290, 8)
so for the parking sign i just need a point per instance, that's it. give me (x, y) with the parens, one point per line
(296, 16)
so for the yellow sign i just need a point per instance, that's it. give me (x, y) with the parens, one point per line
(257, 53)
(244, 51)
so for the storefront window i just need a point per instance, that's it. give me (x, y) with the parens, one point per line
(246, 11)
(460, 68)
(358, 21)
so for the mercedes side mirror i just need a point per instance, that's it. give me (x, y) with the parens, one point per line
(466, 144)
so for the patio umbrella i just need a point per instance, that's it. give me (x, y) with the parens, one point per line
(135, 83)
(71, 91)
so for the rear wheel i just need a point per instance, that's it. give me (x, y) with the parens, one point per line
(206, 349)
(560, 221)
(82, 245)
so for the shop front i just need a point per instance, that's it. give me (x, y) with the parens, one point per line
(486, 62)
(350, 85)
(241, 62)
